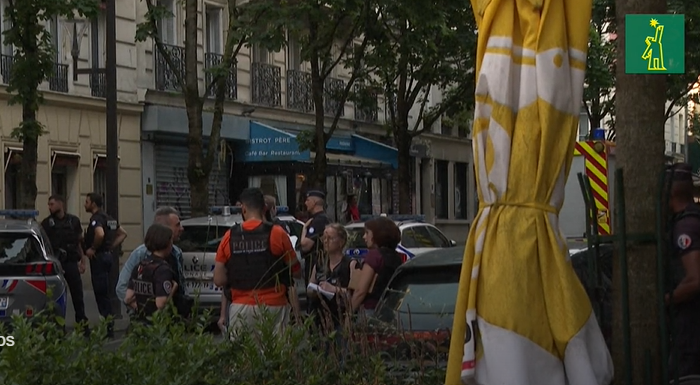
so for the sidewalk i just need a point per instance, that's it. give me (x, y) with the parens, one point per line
(93, 315)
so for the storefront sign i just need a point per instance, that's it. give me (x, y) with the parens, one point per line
(340, 144)
(268, 144)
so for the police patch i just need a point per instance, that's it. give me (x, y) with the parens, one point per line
(167, 286)
(93, 223)
(112, 224)
(311, 230)
(684, 241)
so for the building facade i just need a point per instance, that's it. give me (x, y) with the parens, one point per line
(72, 154)
(268, 106)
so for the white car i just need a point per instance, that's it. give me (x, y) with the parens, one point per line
(199, 242)
(417, 237)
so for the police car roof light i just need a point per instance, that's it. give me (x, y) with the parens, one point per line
(282, 209)
(19, 214)
(395, 217)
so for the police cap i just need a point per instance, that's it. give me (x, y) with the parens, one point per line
(316, 193)
(680, 172)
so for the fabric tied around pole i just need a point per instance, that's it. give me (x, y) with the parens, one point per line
(522, 316)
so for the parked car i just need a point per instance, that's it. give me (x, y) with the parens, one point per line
(199, 242)
(419, 302)
(417, 237)
(30, 276)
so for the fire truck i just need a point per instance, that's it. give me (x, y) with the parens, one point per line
(596, 160)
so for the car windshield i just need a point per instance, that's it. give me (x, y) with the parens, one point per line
(355, 240)
(422, 299)
(19, 247)
(201, 238)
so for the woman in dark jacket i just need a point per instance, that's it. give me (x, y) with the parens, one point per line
(382, 236)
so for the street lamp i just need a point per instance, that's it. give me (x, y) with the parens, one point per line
(110, 72)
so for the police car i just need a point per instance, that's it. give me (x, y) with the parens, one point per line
(417, 237)
(30, 276)
(199, 242)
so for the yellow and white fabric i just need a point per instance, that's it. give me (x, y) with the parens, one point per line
(518, 292)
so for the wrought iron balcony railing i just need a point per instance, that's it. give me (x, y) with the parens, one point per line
(212, 60)
(367, 104)
(299, 91)
(166, 78)
(58, 81)
(331, 98)
(98, 85)
(266, 84)
(5, 68)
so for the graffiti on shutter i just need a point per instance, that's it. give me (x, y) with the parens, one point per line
(172, 184)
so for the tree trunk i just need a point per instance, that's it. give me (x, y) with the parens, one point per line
(640, 154)
(403, 145)
(318, 175)
(27, 181)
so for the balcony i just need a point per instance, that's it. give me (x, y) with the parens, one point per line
(333, 89)
(299, 91)
(366, 104)
(58, 81)
(266, 84)
(166, 78)
(213, 60)
(98, 85)
(5, 68)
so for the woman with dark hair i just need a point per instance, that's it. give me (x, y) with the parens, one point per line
(153, 282)
(382, 236)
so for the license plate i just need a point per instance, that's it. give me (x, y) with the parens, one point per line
(4, 303)
(200, 285)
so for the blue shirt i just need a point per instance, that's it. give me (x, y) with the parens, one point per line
(136, 257)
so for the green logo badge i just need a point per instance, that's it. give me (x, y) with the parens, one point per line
(654, 44)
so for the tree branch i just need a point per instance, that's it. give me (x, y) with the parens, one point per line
(329, 44)
(676, 99)
(441, 109)
(325, 72)
(161, 47)
(421, 111)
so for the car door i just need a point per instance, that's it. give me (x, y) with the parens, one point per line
(423, 240)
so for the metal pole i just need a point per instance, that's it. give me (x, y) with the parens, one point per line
(112, 193)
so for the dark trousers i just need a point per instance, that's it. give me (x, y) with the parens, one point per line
(686, 344)
(100, 267)
(75, 284)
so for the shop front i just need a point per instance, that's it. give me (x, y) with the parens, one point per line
(270, 159)
(165, 158)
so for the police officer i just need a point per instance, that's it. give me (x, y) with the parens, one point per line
(103, 235)
(313, 230)
(683, 296)
(66, 234)
(153, 282)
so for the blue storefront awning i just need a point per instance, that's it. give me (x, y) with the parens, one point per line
(371, 149)
(268, 144)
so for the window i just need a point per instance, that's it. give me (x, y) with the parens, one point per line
(423, 298)
(213, 21)
(583, 126)
(275, 185)
(166, 27)
(461, 175)
(12, 160)
(19, 248)
(99, 176)
(201, 238)
(422, 238)
(98, 43)
(261, 55)
(64, 169)
(438, 237)
(55, 32)
(441, 189)
(5, 25)
(293, 54)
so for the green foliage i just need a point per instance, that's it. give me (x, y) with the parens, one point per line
(171, 353)
(599, 84)
(679, 85)
(418, 46)
(307, 140)
(34, 55)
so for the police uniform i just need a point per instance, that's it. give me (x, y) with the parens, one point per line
(101, 263)
(152, 278)
(685, 331)
(252, 266)
(314, 231)
(65, 234)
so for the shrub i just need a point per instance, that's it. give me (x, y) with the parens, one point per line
(169, 352)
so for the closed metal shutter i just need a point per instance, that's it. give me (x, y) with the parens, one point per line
(173, 187)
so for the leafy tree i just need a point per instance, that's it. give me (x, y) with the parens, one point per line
(33, 62)
(244, 28)
(678, 92)
(640, 154)
(420, 47)
(599, 90)
(332, 35)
